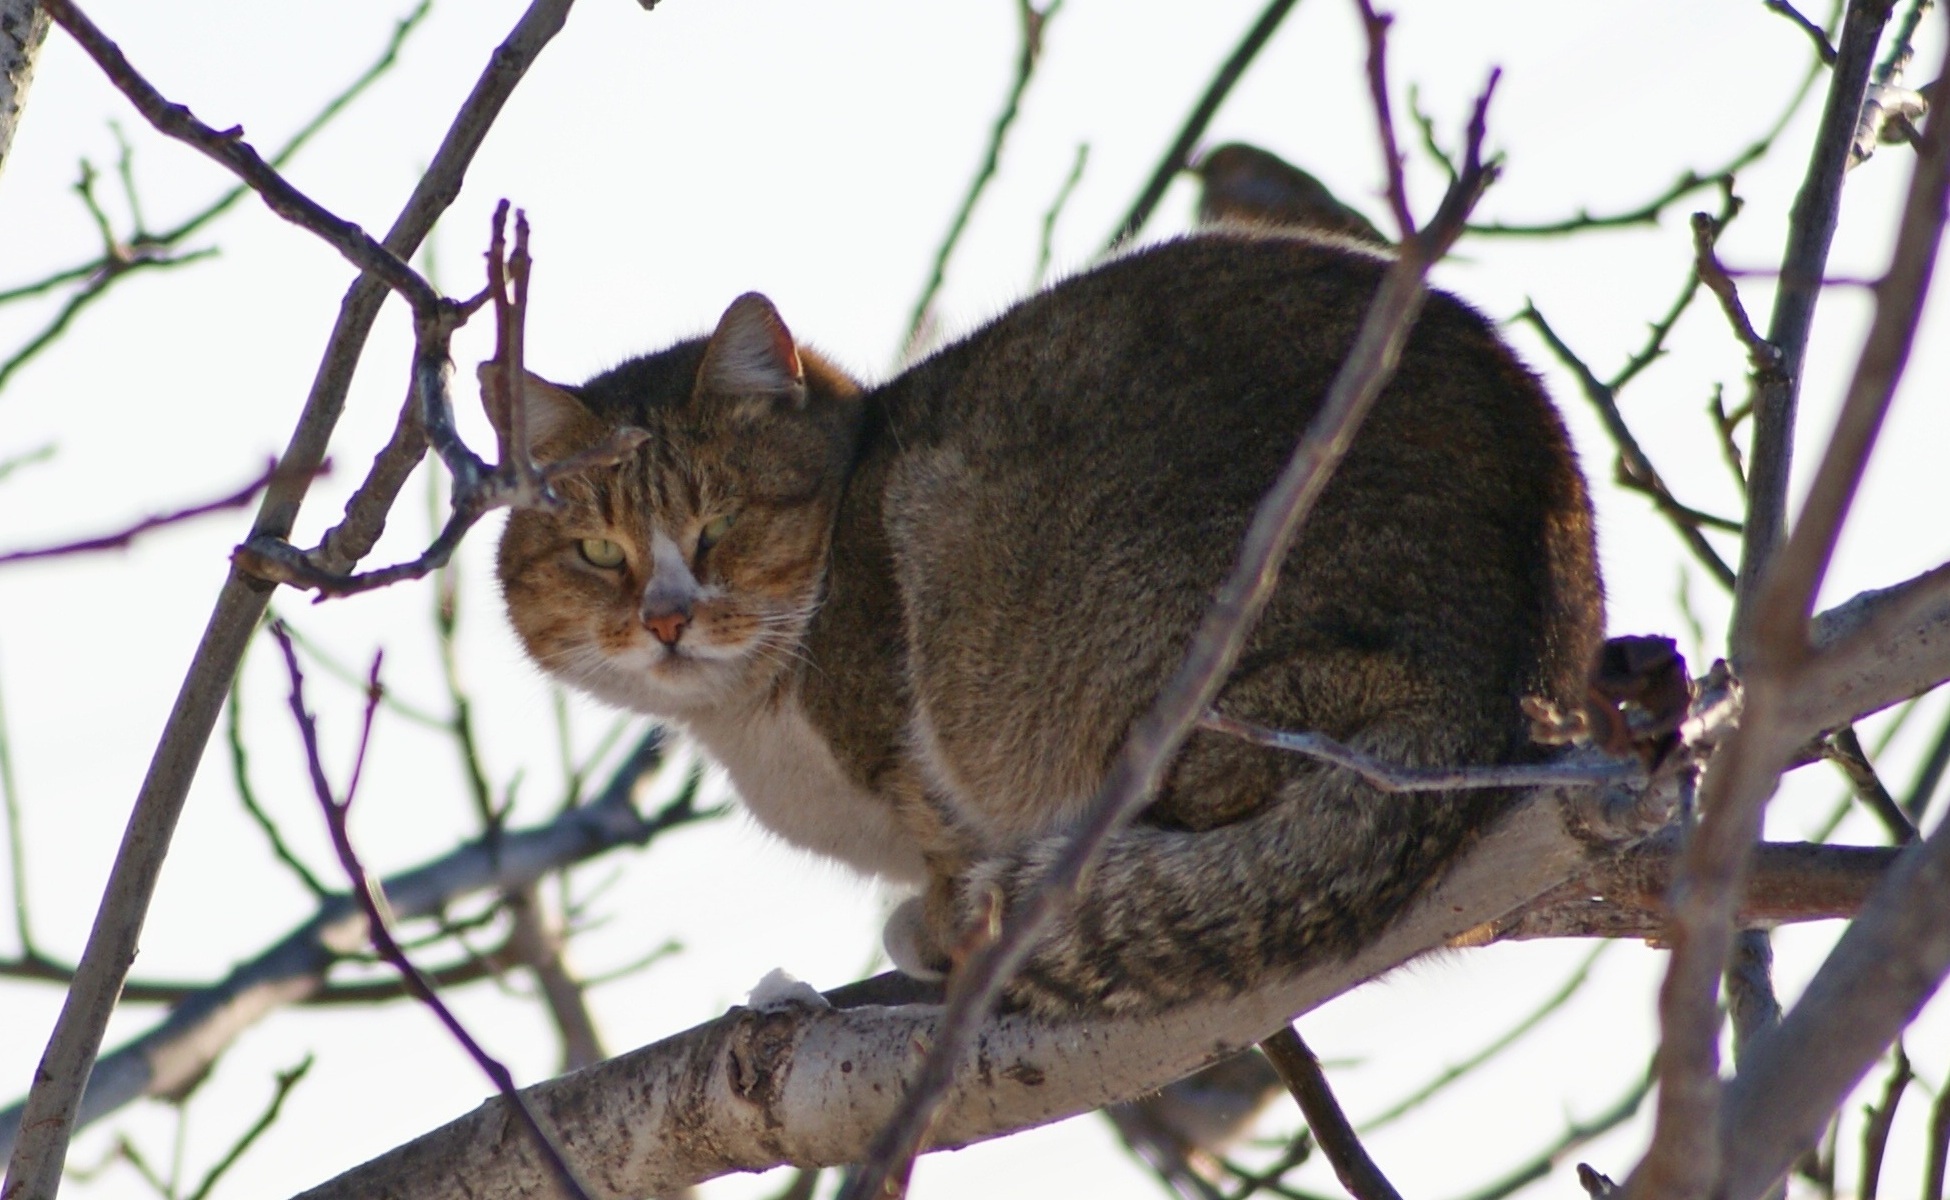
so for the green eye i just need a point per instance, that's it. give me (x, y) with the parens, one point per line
(714, 532)
(601, 552)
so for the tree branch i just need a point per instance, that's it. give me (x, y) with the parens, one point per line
(228, 148)
(294, 970)
(1300, 1070)
(23, 30)
(1156, 736)
(1771, 628)
(1179, 155)
(64, 1067)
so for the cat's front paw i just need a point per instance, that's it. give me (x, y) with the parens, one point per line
(909, 943)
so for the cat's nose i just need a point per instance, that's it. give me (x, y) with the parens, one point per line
(667, 627)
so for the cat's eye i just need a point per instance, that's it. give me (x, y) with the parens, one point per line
(601, 552)
(714, 532)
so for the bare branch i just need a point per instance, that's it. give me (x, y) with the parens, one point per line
(295, 969)
(1577, 1134)
(1889, 961)
(1300, 1070)
(1775, 397)
(1939, 1147)
(1376, 27)
(478, 489)
(1632, 463)
(1450, 1074)
(377, 928)
(1392, 777)
(1688, 182)
(1816, 33)
(1031, 22)
(65, 1065)
(1774, 615)
(123, 538)
(1179, 155)
(1762, 355)
(1875, 1132)
(1215, 648)
(228, 148)
(1844, 749)
(772, 1087)
(1046, 243)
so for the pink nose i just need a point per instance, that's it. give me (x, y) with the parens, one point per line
(667, 627)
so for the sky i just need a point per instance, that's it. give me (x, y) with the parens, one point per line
(668, 161)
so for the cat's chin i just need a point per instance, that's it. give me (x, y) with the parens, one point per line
(661, 682)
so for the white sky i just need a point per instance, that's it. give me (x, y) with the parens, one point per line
(669, 161)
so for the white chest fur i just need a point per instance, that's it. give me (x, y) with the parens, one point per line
(791, 783)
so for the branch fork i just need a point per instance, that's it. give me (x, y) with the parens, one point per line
(478, 487)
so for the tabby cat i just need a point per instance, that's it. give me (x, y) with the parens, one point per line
(915, 621)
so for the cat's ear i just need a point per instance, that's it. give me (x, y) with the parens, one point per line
(752, 354)
(551, 410)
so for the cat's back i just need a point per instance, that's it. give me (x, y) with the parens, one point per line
(1066, 488)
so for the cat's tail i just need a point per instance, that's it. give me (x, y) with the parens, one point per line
(1170, 916)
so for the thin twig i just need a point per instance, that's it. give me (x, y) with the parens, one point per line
(1939, 1147)
(1426, 125)
(1882, 1116)
(477, 488)
(1300, 1070)
(240, 776)
(1179, 155)
(377, 921)
(228, 148)
(1930, 773)
(49, 1112)
(1725, 424)
(1816, 33)
(1763, 356)
(122, 539)
(1215, 648)
(1633, 463)
(1556, 1000)
(75, 304)
(40, 969)
(1393, 777)
(1688, 182)
(338, 669)
(286, 1081)
(1577, 1134)
(1031, 22)
(1045, 244)
(1844, 749)
(1376, 26)
(142, 249)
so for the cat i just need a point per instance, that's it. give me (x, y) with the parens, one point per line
(915, 621)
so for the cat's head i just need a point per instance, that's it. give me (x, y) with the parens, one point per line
(682, 577)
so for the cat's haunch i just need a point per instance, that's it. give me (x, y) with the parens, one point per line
(915, 621)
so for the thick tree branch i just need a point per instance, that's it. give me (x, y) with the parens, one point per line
(810, 1086)
(23, 30)
(813, 1086)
